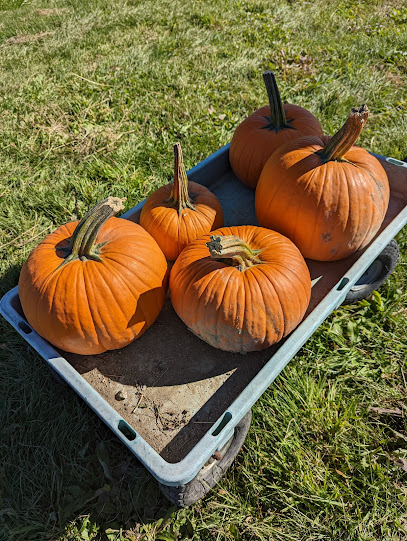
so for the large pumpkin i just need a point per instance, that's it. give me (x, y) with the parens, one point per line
(180, 211)
(95, 285)
(260, 134)
(241, 289)
(328, 196)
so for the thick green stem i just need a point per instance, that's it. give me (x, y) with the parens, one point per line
(346, 137)
(233, 251)
(278, 119)
(83, 241)
(179, 197)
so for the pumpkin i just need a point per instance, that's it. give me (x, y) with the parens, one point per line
(95, 285)
(327, 195)
(241, 289)
(260, 134)
(180, 211)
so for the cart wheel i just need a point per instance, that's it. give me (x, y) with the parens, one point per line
(212, 472)
(375, 275)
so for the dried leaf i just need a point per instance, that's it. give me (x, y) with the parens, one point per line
(400, 462)
(397, 412)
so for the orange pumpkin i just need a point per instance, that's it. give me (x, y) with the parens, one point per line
(260, 134)
(180, 212)
(95, 285)
(241, 289)
(328, 196)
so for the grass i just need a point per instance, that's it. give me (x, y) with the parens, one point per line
(92, 96)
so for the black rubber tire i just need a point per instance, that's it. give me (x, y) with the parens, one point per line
(388, 260)
(185, 495)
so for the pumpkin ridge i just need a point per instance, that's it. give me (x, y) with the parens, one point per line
(219, 297)
(181, 276)
(294, 274)
(279, 333)
(92, 307)
(350, 183)
(119, 278)
(239, 307)
(281, 304)
(191, 286)
(169, 219)
(361, 216)
(74, 313)
(139, 306)
(109, 325)
(47, 271)
(292, 231)
(368, 230)
(362, 169)
(316, 217)
(251, 277)
(133, 259)
(42, 290)
(50, 283)
(139, 275)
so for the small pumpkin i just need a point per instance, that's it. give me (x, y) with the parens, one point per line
(327, 195)
(95, 285)
(241, 289)
(180, 211)
(260, 134)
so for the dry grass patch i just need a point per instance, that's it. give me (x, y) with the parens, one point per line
(28, 38)
(48, 12)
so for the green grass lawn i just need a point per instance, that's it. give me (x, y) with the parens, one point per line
(93, 94)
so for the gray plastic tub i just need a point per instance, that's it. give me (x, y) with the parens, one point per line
(184, 397)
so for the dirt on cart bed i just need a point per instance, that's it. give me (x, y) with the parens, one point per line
(169, 385)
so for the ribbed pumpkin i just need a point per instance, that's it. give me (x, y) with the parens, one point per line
(95, 285)
(240, 289)
(328, 196)
(180, 211)
(260, 134)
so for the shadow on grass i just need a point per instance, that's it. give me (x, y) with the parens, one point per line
(59, 462)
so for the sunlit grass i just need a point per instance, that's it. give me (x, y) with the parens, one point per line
(92, 96)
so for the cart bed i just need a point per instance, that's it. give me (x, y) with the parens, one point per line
(177, 386)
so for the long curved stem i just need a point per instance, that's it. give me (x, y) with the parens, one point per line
(83, 241)
(278, 119)
(179, 197)
(345, 137)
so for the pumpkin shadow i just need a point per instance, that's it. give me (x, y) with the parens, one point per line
(176, 385)
(167, 354)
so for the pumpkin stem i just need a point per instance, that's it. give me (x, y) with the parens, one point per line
(179, 197)
(278, 120)
(83, 241)
(233, 251)
(345, 138)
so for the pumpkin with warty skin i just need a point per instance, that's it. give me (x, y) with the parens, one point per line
(264, 131)
(327, 195)
(180, 211)
(95, 285)
(240, 289)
